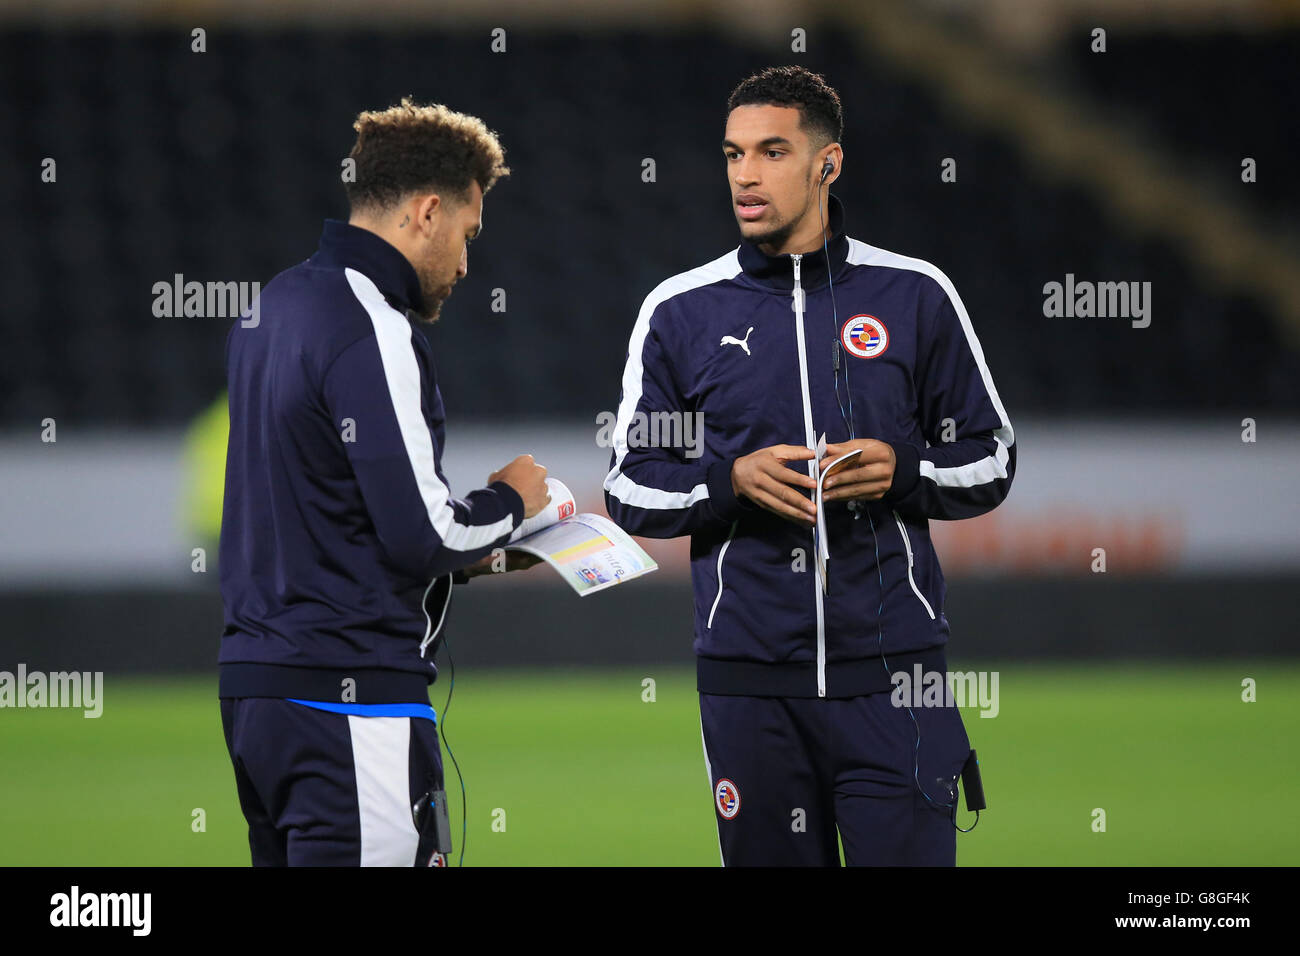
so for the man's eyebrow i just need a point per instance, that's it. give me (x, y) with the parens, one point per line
(763, 144)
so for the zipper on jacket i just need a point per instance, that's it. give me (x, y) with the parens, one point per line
(810, 436)
(907, 543)
(721, 554)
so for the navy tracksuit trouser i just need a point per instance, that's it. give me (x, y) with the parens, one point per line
(326, 789)
(792, 777)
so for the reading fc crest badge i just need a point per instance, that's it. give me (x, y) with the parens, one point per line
(727, 797)
(864, 336)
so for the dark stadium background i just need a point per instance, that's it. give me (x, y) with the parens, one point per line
(1117, 166)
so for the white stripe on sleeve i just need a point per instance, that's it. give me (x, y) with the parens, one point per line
(618, 484)
(402, 374)
(990, 467)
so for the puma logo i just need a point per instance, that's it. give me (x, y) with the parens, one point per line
(732, 340)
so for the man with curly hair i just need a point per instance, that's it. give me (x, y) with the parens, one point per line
(340, 537)
(804, 621)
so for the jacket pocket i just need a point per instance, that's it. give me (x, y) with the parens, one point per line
(907, 545)
(721, 554)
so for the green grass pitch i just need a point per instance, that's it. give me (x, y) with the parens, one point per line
(582, 771)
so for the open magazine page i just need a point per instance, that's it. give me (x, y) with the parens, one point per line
(589, 551)
(561, 506)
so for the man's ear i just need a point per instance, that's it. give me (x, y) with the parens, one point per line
(834, 156)
(428, 210)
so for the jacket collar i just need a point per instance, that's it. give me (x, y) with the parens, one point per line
(777, 272)
(343, 245)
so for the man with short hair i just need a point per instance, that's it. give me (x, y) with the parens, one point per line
(340, 537)
(803, 332)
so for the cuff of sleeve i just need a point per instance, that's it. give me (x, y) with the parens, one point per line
(907, 470)
(459, 577)
(723, 497)
(511, 499)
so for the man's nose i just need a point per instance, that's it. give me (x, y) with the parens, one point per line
(746, 174)
(462, 270)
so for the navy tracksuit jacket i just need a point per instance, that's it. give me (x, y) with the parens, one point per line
(772, 350)
(339, 534)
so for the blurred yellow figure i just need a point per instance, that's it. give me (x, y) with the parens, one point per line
(205, 472)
